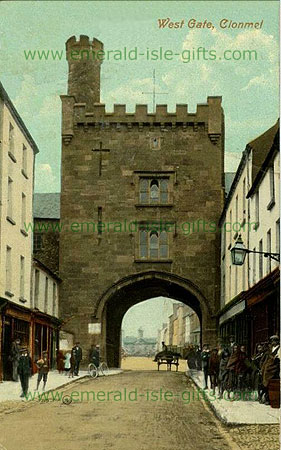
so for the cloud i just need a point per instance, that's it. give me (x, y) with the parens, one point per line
(45, 180)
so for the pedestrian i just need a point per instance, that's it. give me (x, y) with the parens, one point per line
(43, 370)
(232, 369)
(191, 357)
(24, 370)
(205, 356)
(256, 370)
(77, 354)
(198, 358)
(214, 368)
(15, 356)
(223, 371)
(60, 361)
(72, 365)
(95, 357)
(271, 366)
(67, 363)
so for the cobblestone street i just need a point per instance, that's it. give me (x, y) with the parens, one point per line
(121, 421)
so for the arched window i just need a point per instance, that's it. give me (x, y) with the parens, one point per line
(144, 186)
(143, 244)
(154, 244)
(163, 247)
(154, 191)
(164, 191)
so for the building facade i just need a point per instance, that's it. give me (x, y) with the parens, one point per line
(18, 315)
(140, 192)
(250, 292)
(181, 330)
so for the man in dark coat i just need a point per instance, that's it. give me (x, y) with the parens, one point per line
(214, 368)
(77, 355)
(24, 370)
(15, 356)
(95, 356)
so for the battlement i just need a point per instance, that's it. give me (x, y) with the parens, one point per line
(208, 115)
(83, 43)
(98, 113)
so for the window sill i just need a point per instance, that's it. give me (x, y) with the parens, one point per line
(24, 232)
(9, 294)
(22, 300)
(12, 157)
(153, 261)
(9, 219)
(24, 174)
(271, 204)
(155, 205)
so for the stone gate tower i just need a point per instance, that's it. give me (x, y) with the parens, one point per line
(141, 198)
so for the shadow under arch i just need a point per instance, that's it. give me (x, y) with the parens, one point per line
(133, 289)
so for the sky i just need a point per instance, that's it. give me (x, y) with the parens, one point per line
(250, 89)
(156, 312)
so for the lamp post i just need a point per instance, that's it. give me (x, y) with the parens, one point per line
(239, 251)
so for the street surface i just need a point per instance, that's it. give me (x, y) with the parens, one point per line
(154, 414)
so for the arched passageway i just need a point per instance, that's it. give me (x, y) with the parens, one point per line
(119, 298)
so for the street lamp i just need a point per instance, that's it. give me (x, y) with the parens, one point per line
(239, 251)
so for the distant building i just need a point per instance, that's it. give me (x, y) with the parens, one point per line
(183, 328)
(139, 346)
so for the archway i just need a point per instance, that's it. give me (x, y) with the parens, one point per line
(134, 289)
(146, 325)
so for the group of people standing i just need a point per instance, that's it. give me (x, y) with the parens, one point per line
(22, 365)
(69, 363)
(231, 370)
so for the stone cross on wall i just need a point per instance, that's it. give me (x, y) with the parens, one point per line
(100, 150)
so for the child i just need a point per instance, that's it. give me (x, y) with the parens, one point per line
(67, 364)
(43, 366)
(72, 365)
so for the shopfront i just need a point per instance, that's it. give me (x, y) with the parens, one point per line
(263, 309)
(35, 330)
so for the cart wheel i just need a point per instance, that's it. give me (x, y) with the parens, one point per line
(66, 399)
(104, 369)
(92, 370)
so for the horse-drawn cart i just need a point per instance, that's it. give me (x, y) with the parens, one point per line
(168, 358)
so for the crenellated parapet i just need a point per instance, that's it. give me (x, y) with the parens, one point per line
(208, 116)
(84, 61)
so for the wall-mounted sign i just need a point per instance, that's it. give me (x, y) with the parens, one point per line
(94, 328)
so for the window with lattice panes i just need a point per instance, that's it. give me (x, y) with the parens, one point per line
(153, 244)
(154, 191)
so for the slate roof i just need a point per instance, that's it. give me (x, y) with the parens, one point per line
(261, 147)
(228, 179)
(46, 206)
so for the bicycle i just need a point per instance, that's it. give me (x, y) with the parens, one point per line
(95, 371)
